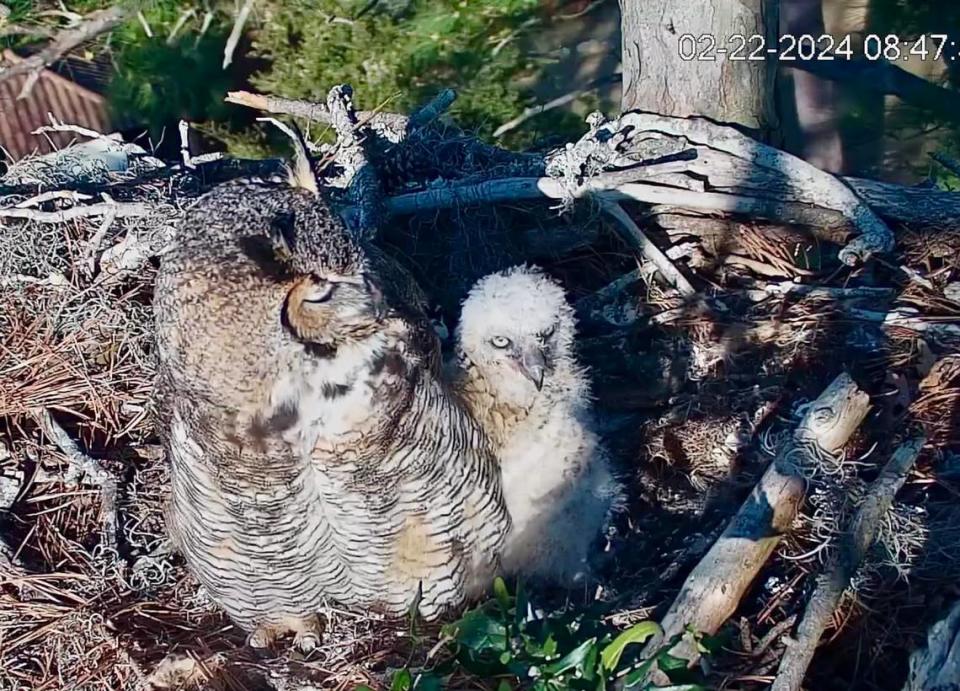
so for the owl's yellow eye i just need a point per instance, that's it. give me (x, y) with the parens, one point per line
(500, 341)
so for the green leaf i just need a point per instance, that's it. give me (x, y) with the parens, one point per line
(505, 658)
(668, 662)
(504, 685)
(572, 660)
(480, 632)
(520, 605)
(637, 676)
(428, 682)
(402, 681)
(590, 664)
(502, 594)
(638, 633)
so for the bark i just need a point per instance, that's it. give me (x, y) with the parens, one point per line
(657, 79)
(858, 539)
(714, 588)
(814, 98)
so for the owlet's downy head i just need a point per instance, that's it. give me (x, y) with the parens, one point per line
(517, 330)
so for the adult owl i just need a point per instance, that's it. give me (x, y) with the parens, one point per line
(315, 454)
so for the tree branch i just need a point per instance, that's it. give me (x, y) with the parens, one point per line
(855, 543)
(884, 77)
(93, 25)
(713, 590)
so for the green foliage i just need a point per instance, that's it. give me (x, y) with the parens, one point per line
(398, 59)
(395, 53)
(499, 642)
(160, 80)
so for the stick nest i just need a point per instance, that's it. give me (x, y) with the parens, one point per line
(696, 393)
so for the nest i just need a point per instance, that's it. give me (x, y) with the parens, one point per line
(696, 396)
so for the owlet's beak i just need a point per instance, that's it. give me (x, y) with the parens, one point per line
(533, 365)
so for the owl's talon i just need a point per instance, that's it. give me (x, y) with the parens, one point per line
(262, 637)
(306, 642)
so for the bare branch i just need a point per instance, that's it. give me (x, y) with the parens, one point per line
(558, 102)
(125, 210)
(638, 239)
(236, 33)
(83, 466)
(315, 112)
(93, 25)
(713, 590)
(858, 539)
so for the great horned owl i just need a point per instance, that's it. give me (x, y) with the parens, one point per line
(516, 369)
(314, 453)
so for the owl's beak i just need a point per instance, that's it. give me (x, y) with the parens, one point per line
(533, 365)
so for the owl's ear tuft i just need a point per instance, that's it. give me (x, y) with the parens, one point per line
(301, 174)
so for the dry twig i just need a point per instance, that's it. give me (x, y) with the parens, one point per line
(93, 25)
(854, 545)
(714, 588)
(83, 466)
(236, 32)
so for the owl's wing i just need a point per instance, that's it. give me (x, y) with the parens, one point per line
(410, 304)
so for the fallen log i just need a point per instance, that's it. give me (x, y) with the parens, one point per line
(714, 588)
(853, 548)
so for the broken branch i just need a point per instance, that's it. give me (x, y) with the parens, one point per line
(713, 590)
(124, 210)
(83, 466)
(65, 41)
(854, 545)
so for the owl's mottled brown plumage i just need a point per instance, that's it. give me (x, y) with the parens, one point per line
(315, 455)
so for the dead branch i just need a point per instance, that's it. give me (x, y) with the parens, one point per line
(236, 32)
(830, 292)
(713, 590)
(921, 207)
(853, 548)
(804, 182)
(83, 466)
(432, 110)
(352, 155)
(911, 320)
(638, 239)
(534, 111)
(93, 25)
(390, 125)
(937, 667)
(118, 210)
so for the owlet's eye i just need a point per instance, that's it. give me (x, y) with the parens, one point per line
(547, 333)
(319, 292)
(500, 341)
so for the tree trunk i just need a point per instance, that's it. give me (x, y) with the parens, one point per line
(657, 79)
(813, 134)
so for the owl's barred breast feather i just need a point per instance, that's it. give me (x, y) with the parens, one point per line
(315, 453)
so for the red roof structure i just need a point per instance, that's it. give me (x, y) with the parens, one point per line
(67, 101)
